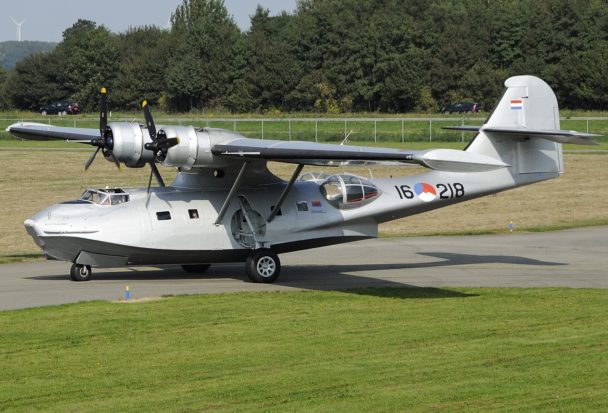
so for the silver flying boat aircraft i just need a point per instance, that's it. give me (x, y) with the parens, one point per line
(226, 206)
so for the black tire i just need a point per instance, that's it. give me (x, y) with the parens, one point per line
(263, 266)
(196, 269)
(80, 272)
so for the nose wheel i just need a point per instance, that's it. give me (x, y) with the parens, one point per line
(263, 266)
(80, 272)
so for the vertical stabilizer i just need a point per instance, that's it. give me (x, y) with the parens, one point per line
(528, 104)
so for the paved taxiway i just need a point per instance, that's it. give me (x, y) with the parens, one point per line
(573, 258)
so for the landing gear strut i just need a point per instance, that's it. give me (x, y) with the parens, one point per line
(263, 266)
(80, 272)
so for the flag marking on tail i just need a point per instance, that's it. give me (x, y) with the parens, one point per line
(517, 104)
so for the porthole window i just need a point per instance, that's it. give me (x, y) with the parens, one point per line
(163, 215)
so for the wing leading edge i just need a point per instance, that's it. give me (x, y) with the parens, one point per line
(42, 132)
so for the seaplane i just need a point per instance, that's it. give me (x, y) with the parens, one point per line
(226, 206)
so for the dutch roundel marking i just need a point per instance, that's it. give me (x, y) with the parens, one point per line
(426, 192)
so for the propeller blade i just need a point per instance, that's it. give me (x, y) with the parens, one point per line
(150, 179)
(171, 142)
(113, 158)
(91, 159)
(103, 112)
(149, 120)
(159, 178)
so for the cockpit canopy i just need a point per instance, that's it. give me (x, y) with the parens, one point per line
(108, 196)
(346, 191)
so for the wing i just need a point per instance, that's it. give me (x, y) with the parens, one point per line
(310, 153)
(43, 132)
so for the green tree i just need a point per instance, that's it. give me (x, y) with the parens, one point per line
(4, 101)
(273, 67)
(205, 46)
(141, 67)
(35, 81)
(88, 55)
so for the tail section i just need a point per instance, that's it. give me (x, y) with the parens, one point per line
(524, 131)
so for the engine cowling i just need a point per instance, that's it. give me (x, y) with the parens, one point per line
(192, 151)
(128, 141)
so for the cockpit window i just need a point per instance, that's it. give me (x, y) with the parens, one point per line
(108, 196)
(348, 191)
(317, 177)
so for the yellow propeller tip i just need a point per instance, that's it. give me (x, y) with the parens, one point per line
(104, 90)
(144, 103)
(178, 140)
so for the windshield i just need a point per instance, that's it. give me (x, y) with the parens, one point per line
(114, 196)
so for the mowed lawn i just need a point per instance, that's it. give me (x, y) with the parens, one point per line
(365, 350)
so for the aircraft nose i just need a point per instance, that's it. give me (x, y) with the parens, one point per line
(33, 229)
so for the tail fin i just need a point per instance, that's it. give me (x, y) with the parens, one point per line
(524, 131)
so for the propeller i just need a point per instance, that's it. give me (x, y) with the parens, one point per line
(105, 143)
(160, 145)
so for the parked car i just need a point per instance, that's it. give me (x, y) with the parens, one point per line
(63, 107)
(463, 107)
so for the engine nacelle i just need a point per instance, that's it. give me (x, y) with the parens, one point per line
(194, 147)
(185, 153)
(193, 150)
(128, 141)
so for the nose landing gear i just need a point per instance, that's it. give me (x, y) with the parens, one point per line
(80, 272)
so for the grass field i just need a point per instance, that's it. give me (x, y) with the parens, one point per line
(515, 350)
(35, 177)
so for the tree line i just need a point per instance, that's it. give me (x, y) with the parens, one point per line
(327, 56)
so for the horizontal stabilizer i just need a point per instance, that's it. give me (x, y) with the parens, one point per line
(555, 135)
(452, 160)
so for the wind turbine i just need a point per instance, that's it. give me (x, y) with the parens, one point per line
(18, 28)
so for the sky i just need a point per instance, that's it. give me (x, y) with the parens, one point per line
(46, 20)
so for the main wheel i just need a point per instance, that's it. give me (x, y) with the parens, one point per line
(263, 266)
(80, 272)
(196, 269)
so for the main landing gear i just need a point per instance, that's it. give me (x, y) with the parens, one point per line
(80, 272)
(263, 266)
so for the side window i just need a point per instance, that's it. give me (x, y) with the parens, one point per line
(163, 215)
(193, 213)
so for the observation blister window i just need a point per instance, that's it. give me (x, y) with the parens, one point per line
(348, 191)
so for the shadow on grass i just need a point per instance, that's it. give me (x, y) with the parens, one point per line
(410, 292)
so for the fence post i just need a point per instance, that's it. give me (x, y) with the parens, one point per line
(375, 131)
(234, 124)
(290, 129)
(462, 132)
(262, 129)
(587, 125)
(316, 130)
(402, 132)
(430, 130)
(344, 128)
